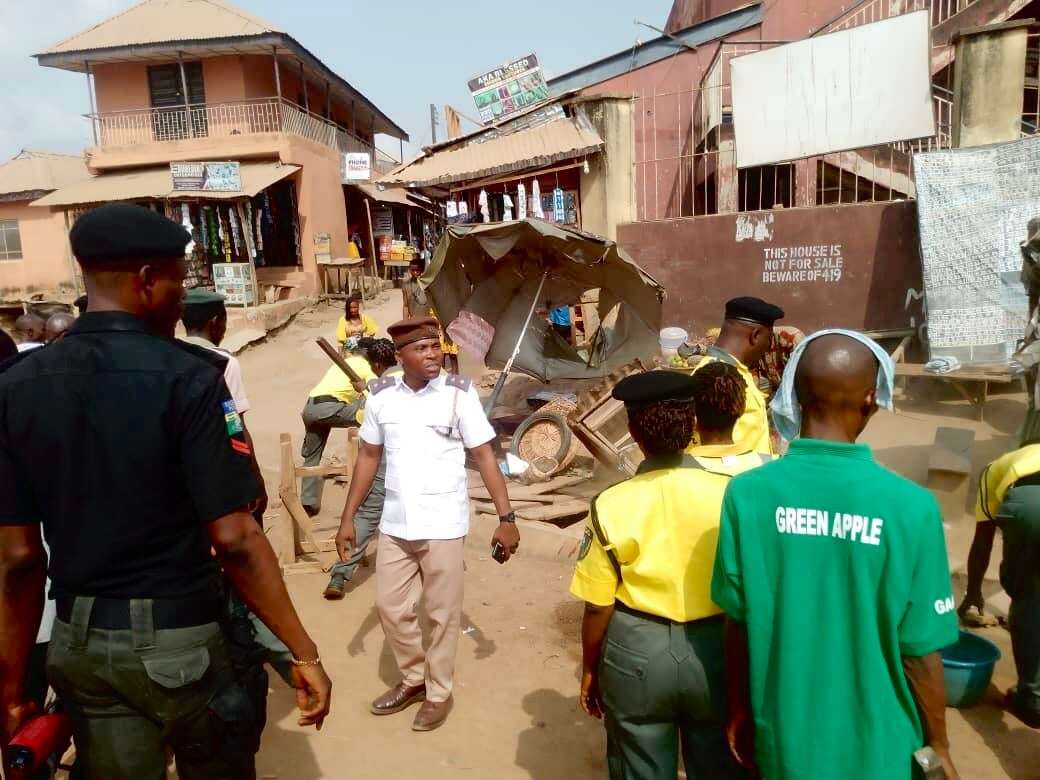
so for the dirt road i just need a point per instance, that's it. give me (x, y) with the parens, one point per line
(516, 710)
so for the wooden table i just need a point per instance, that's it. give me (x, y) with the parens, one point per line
(972, 383)
(354, 266)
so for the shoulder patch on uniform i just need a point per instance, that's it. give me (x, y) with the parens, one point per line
(381, 384)
(212, 357)
(461, 382)
(586, 544)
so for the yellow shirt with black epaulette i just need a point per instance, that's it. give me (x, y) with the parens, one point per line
(752, 429)
(660, 528)
(1001, 475)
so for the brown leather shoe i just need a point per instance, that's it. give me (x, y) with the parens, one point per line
(398, 698)
(431, 715)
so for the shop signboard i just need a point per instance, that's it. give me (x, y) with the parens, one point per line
(206, 176)
(559, 215)
(382, 222)
(236, 282)
(509, 88)
(357, 166)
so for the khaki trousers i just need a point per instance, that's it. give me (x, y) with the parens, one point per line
(405, 572)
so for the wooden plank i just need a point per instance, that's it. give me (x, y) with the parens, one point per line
(556, 511)
(342, 470)
(489, 508)
(537, 492)
(900, 351)
(960, 375)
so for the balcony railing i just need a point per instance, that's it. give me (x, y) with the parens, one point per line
(862, 13)
(220, 120)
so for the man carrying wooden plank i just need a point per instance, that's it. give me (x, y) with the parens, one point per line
(332, 403)
(424, 422)
(380, 355)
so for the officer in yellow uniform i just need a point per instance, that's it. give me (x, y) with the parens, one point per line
(1009, 499)
(652, 641)
(746, 335)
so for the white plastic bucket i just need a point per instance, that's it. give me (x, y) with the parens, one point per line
(670, 340)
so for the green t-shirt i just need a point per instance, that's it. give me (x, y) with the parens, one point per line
(838, 568)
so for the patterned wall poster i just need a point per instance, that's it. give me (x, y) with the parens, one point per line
(510, 88)
(973, 206)
(206, 176)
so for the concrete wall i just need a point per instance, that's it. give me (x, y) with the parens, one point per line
(863, 269)
(608, 189)
(45, 264)
(121, 87)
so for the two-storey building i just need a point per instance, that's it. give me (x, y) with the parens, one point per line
(201, 80)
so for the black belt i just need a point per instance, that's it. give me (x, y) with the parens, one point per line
(114, 614)
(621, 606)
(326, 399)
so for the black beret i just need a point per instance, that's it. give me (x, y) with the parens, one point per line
(125, 232)
(753, 310)
(654, 386)
(197, 297)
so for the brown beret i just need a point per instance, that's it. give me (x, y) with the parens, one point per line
(412, 329)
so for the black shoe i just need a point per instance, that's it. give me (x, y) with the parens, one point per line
(1025, 714)
(337, 587)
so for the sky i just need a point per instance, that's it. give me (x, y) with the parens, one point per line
(402, 54)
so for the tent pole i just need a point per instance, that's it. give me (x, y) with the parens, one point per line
(490, 403)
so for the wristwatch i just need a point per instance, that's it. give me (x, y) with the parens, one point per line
(510, 518)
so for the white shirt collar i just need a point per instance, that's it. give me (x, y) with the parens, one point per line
(435, 384)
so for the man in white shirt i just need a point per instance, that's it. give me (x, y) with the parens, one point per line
(425, 422)
(205, 320)
(29, 330)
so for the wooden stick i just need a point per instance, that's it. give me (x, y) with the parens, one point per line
(335, 357)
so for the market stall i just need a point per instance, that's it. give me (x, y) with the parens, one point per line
(234, 231)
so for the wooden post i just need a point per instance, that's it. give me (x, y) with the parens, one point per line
(353, 117)
(303, 82)
(328, 100)
(372, 243)
(277, 74)
(184, 87)
(281, 535)
(93, 112)
(302, 525)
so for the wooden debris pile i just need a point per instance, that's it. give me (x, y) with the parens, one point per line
(540, 501)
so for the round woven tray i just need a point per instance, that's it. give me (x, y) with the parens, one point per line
(545, 440)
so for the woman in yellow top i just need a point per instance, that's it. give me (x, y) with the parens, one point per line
(652, 638)
(354, 323)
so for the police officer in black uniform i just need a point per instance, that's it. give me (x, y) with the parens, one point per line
(126, 446)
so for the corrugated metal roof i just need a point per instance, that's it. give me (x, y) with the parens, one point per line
(156, 184)
(656, 49)
(30, 171)
(531, 148)
(157, 21)
(397, 196)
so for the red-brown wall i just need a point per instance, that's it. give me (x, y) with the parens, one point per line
(870, 261)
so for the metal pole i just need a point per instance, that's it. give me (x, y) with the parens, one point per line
(184, 88)
(93, 112)
(402, 148)
(303, 83)
(328, 101)
(433, 124)
(490, 403)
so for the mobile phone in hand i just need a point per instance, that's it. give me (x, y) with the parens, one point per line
(498, 552)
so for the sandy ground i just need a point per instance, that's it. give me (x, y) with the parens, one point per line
(516, 712)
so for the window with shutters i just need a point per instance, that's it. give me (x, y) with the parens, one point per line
(10, 241)
(170, 120)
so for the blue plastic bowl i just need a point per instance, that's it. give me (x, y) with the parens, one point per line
(968, 669)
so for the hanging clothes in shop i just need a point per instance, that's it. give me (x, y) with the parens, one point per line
(507, 208)
(482, 201)
(536, 201)
(521, 201)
